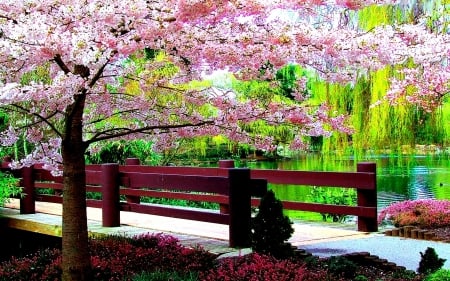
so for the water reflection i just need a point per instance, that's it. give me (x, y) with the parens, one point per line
(399, 178)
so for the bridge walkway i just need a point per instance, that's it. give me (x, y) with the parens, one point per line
(213, 237)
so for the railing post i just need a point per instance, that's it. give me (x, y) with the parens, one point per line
(225, 164)
(133, 199)
(368, 198)
(240, 208)
(110, 195)
(28, 201)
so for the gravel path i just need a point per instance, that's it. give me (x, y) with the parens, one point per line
(402, 251)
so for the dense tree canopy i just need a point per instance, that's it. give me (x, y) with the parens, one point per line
(91, 91)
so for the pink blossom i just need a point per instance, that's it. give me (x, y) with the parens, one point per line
(86, 46)
(423, 213)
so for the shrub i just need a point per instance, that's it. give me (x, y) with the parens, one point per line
(271, 228)
(423, 213)
(341, 266)
(439, 275)
(429, 262)
(8, 187)
(405, 274)
(165, 276)
(334, 196)
(361, 278)
(115, 258)
(258, 267)
(44, 265)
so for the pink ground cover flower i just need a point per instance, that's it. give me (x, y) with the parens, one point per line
(423, 213)
(257, 267)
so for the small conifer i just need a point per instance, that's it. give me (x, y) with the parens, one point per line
(271, 228)
(430, 262)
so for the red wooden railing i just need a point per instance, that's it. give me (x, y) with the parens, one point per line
(234, 189)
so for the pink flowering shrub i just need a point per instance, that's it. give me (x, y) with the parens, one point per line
(118, 257)
(44, 265)
(258, 267)
(114, 258)
(423, 213)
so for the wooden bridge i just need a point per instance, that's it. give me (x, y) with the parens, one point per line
(236, 190)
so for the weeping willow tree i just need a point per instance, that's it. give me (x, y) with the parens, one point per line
(265, 93)
(384, 127)
(401, 127)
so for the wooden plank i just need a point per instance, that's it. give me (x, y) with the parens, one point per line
(174, 212)
(31, 226)
(49, 198)
(136, 179)
(201, 171)
(94, 203)
(45, 175)
(332, 179)
(93, 177)
(94, 188)
(175, 195)
(51, 185)
(369, 212)
(208, 184)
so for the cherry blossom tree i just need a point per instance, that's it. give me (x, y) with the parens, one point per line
(94, 92)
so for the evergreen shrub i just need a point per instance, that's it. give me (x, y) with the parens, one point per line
(270, 228)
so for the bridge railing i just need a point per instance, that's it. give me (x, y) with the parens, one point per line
(235, 190)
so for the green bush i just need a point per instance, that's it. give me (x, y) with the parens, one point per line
(165, 276)
(361, 278)
(271, 229)
(8, 187)
(439, 275)
(341, 266)
(333, 196)
(430, 262)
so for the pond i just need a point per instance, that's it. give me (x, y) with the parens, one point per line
(399, 177)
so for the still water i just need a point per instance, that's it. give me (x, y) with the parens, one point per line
(399, 177)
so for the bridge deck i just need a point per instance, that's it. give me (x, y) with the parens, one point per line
(212, 237)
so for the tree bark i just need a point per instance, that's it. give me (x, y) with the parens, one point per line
(76, 263)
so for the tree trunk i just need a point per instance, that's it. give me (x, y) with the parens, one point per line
(76, 263)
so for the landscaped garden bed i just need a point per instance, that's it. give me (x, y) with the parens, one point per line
(151, 257)
(427, 219)
(162, 257)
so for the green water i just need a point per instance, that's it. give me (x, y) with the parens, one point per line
(399, 177)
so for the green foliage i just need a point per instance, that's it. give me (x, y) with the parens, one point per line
(165, 276)
(271, 229)
(333, 196)
(8, 187)
(287, 79)
(3, 120)
(182, 203)
(430, 261)
(41, 74)
(439, 275)
(377, 15)
(341, 266)
(404, 274)
(119, 151)
(380, 127)
(361, 278)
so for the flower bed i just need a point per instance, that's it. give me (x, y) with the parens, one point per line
(120, 258)
(425, 213)
(427, 219)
